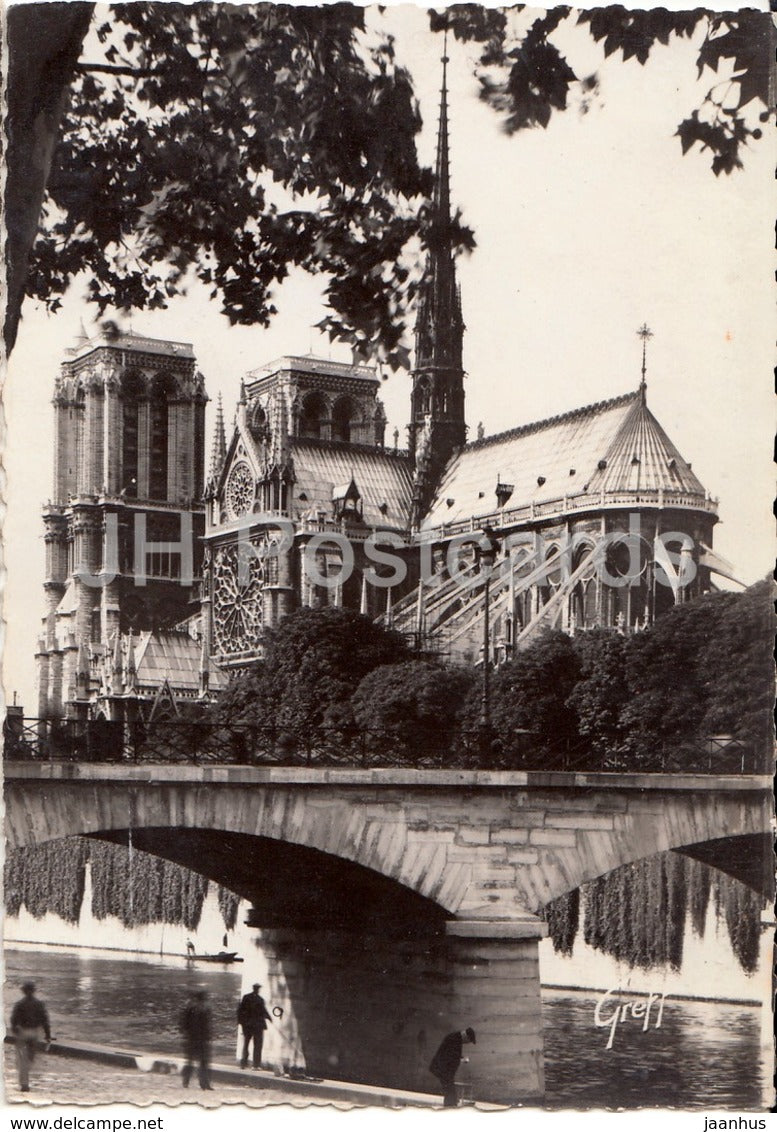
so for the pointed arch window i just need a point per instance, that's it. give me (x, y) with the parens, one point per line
(312, 417)
(258, 423)
(345, 420)
(161, 387)
(424, 396)
(132, 390)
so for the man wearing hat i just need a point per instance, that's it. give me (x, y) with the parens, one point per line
(252, 1017)
(29, 1023)
(445, 1063)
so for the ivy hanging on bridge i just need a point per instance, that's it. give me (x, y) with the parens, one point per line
(700, 887)
(228, 906)
(563, 916)
(139, 888)
(638, 914)
(742, 912)
(47, 878)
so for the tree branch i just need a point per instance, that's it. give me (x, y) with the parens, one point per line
(108, 69)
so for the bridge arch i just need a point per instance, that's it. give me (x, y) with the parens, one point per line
(290, 885)
(478, 845)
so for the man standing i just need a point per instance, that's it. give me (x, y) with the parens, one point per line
(446, 1061)
(29, 1024)
(252, 1017)
(196, 1030)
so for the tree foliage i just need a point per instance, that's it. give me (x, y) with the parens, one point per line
(140, 888)
(599, 700)
(529, 698)
(239, 142)
(703, 668)
(600, 693)
(413, 709)
(47, 878)
(563, 916)
(313, 663)
(525, 76)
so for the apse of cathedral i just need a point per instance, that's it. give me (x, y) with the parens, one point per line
(591, 519)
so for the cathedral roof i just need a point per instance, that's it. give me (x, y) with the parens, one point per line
(642, 457)
(126, 340)
(311, 365)
(612, 447)
(169, 656)
(383, 480)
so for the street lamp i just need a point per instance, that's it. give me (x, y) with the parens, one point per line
(489, 545)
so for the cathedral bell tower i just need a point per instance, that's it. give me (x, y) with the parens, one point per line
(437, 424)
(123, 528)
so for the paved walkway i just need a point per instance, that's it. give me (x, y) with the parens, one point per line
(64, 1080)
(79, 1073)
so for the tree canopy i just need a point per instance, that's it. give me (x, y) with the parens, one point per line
(413, 709)
(237, 142)
(337, 683)
(313, 664)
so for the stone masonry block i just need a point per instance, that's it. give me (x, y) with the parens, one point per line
(508, 837)
(579, 821)
(552, 837)
(473, 835)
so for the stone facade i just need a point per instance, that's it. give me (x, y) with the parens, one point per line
(122, 529)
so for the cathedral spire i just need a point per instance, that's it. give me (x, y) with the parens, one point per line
(437, 425)
(219, 449)
(442, 171)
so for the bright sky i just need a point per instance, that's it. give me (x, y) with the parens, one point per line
(585, 230)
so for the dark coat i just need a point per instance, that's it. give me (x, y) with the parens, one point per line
(448, 1057)
(195, 1025)
(252, 1012)
(30, 1014)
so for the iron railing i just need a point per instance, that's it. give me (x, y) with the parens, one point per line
(198, 742)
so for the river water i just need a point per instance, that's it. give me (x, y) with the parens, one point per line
(703, 1055)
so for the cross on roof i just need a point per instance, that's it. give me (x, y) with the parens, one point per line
(644, 333)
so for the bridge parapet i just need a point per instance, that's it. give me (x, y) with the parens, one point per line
(204, 743)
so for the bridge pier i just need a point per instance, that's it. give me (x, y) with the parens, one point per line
(373, 1009)
(496, 990)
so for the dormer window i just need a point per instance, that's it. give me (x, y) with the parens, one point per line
(346, 501)
(503, 492)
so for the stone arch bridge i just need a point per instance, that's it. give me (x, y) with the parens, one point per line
(397, 904)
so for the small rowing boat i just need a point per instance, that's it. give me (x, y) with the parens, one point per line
(219, 957)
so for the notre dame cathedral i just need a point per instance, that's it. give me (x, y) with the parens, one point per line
(160, 581)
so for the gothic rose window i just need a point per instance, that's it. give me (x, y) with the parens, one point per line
(240, 491)
(237, 599)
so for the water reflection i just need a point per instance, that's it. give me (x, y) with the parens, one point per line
(132, 1003)
(705, 1055)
